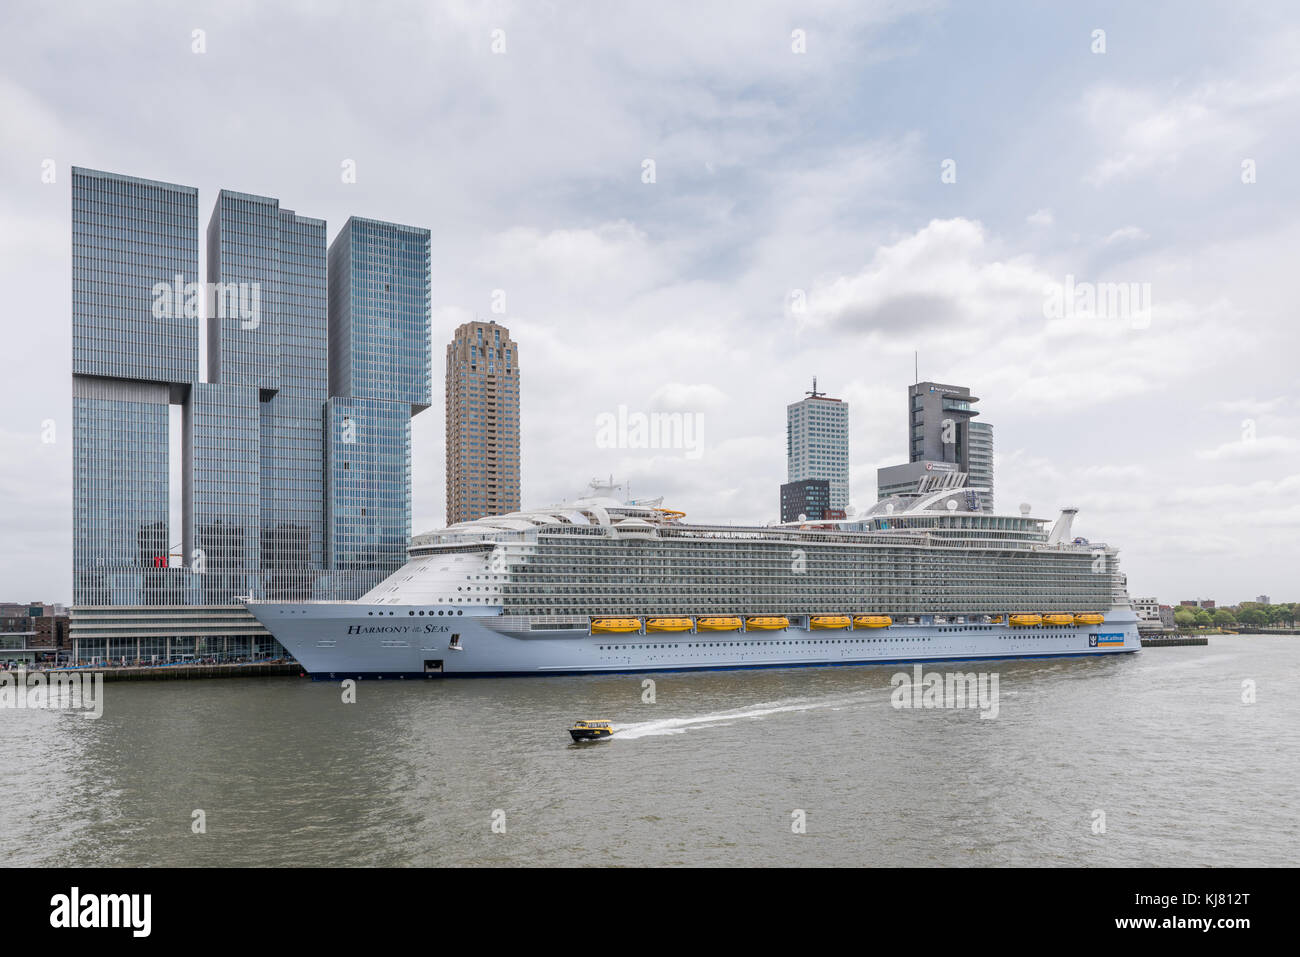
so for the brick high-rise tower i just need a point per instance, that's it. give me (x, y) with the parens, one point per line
(482, 422)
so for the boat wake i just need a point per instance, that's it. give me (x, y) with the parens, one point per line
(719, 719)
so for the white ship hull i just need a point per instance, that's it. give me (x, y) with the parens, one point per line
(358, 640)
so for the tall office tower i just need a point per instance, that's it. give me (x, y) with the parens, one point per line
(293, 453)
(947, 449)
(817, 443)
(482, 422)
(981, 461)
(134, 353)
(254, 456)
(267, 361)
(938, 420)
(379, 373)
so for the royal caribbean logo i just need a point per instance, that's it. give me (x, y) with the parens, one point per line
(1111, 640)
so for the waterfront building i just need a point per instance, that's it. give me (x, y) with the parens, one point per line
(283, 321)
(817, 443)
(946, 448)
(379, 377)
(482, 408)
(1148, 614)
(939, 423)
(37, 638)
(807, 499)
(981, 461)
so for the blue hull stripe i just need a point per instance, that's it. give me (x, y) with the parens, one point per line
(404, 675)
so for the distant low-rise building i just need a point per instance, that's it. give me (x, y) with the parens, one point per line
(28, 639)
(806, 500)
(1263, 599)
(1148, 613)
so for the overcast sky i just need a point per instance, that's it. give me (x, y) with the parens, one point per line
(799, 223)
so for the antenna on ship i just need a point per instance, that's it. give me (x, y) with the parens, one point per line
(814, 393)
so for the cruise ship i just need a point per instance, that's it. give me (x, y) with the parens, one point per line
(601, 585)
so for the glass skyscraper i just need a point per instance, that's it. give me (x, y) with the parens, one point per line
(379, 376)
(290, 490)
(133, 240)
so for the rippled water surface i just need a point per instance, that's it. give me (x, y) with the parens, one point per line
(414, 773)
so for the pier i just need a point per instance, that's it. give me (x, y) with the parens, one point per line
(252, 669)
(1160, 642)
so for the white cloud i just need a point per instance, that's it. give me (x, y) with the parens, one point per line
(1265, 447)
(1126, 234)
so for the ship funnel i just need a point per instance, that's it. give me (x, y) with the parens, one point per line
(1061, 530)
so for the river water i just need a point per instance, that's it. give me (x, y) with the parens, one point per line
(809, 766)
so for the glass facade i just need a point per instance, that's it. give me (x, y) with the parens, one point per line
(224, 523)
(262, 440)
(368, 482)
(379, 376)
(293, 455)
(121, 520)
(379, 313)
(134, 241)
(244, 269)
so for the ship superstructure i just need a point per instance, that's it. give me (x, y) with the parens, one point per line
(605, 585)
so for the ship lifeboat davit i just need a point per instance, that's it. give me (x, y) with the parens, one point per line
(766, 624)
(1089, 618)
(668, 624)
(872, 621)
(1024, 621)
(615, 626)
(829, 622)
(717, 624)
(1058, 619)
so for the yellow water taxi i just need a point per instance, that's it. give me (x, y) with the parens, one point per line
(717, 624)
(1026, 620)
(668, 624)
(766, 624)
(830, 622)
(1058, 619)
(615, 626)
(872, 621)
(1089, 618)
(591, 730)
